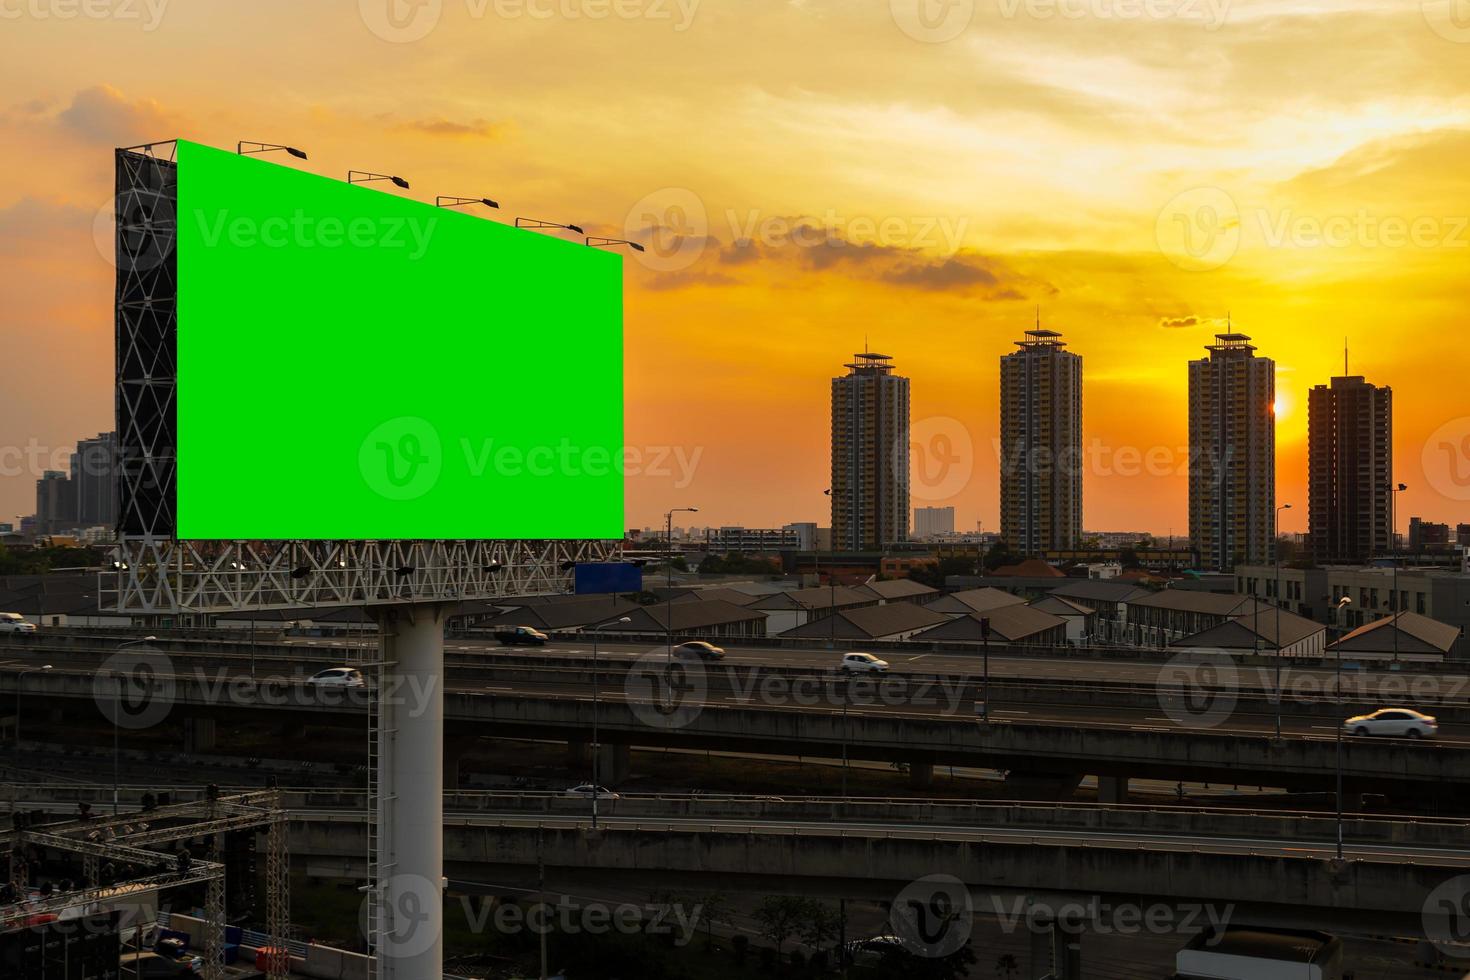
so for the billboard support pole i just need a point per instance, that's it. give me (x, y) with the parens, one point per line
(410, 865)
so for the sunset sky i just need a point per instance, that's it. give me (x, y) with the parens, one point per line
(811, 176)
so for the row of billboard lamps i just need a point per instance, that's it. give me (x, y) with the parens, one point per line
(244, 147)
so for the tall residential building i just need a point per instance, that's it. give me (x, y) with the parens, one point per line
(870, 455)
(1349, 469)
(1232, 453)
(56, 503)
(1040, 445)
(94, 477)
(932, 521)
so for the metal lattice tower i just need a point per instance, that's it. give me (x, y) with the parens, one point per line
(214, 910)
(278, 888)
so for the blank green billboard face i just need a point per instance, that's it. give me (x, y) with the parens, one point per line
(354, 365)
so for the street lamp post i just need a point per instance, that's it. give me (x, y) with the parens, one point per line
(1276, 547)
(1344, 601)
(116, 713)
(596, 705)
(18, 676)
(669, 574)
(1393, 531)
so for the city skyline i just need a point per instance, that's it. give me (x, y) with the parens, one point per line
(954, 253)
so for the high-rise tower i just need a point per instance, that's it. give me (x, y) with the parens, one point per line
(1232, 453)
(870, 455)
(1040, 444)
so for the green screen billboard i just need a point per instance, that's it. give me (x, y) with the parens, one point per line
(354, 365)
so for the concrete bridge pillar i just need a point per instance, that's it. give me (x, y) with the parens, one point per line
(199, 734)
(921, 774)
(614, 764)
(1041, 953)
(1112, 789)
(455, 749)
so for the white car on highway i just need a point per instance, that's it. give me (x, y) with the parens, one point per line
(15, 623)
(337, 677)
(1393, 721)
(587, 790)
(860, 663)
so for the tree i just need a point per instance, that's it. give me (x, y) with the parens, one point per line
(1000, 554)
(779, 918)
(823, 924)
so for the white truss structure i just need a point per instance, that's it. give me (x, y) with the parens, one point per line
(159, 576)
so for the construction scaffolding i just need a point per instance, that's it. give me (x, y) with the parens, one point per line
(129, 842)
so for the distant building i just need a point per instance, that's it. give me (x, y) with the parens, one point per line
(807, 534)
(1428, 536)
(870, 455)
(932, 521)
(94, 478)
(1349, 469)
(1232, 453)
(1462, 535)
(739, 540)
(56, 503)
(1040, 445)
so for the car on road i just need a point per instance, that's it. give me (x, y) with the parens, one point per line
(522, 636)
(1393, 721)
(337, 677)
(699, 650)
(862, 663)
(15, 623)
(586, 791)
